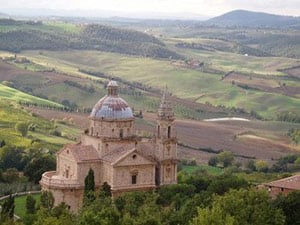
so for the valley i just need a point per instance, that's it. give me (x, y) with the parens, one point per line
(234, 88)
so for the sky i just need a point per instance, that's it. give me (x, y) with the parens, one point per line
(200, 7)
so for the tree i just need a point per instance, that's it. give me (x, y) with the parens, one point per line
(240, 207)
(7, 210)
(224, 183)
(213, 161)
(99, 212)
(11, 157)
(2, 143)
(214, 216)
(89, 187)
(251, 165)
(89, 181)
(261, 166)
(47, 200)
(22, 128)
(106, 189)
(290, 206)
(37, 166)
(30, 205)
(226, 158)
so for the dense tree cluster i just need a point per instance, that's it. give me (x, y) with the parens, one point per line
(88, 88)
(91, 37)
(198, 199)
(32, 162)
(288, 117)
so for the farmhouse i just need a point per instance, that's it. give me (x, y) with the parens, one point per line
(284, 186)
(116, 154)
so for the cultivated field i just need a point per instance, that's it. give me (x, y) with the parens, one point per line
(187, 83)
(197, 139)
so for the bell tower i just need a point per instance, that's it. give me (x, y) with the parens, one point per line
(166, 152)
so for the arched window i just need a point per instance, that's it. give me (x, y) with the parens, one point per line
(133, 179)
(134, 176)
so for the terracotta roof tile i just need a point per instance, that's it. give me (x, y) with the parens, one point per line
(83, 152)
(116, 154)
(292, 182)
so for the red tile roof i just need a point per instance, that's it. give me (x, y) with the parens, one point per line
(83, 153)
(292, 182)
(117, 154)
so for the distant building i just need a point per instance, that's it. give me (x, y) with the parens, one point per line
(283, 186)
(117, 155)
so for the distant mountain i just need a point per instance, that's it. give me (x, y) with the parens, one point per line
(42, 12)
(243, 18)
(3, 15)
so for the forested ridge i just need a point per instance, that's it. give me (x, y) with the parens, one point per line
(16, 36)
(244, 18)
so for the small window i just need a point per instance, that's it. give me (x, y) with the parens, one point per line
(133, 179)
(121, 133)
(169, 131)
(158, 131)
(134, 156)
(281, 189)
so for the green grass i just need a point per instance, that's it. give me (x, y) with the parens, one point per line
(16, 95)
(184, 83)
(20, 204)
(62, 26)
(11, 113)
(210, 169)
(226, 61)
(258, 178)
(32, 67)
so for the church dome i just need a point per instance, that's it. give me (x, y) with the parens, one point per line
(111, 106)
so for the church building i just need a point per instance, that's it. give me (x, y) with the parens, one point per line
(116, 154)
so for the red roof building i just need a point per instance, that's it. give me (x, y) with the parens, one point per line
(284, 186)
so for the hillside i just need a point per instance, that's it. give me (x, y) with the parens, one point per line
(39, 130)
(243, 18)
(19, 96)
(16, 36)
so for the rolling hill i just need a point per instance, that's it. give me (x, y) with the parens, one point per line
(243, 18)
(19, 96)
(16, 36)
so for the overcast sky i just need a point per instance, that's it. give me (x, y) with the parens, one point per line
(201, 7)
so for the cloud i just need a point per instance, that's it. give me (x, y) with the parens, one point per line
(206, 7)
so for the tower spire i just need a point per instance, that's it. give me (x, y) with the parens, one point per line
(165, 111)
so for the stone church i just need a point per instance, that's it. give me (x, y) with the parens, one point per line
(116, 154)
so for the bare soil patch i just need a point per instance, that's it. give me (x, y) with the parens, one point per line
(293, 72)
(236, 136)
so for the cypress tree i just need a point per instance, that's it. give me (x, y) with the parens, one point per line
(8, 208)
(89, 188)
(30, 205)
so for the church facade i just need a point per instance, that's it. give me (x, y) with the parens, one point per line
(116, 154)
